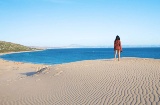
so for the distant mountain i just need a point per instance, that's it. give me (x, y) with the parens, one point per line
(87, 46)
(12, 47)
(74, 46)
(84, 46)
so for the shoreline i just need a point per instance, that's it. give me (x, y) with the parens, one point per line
(1, 54)
(20, 52)
(110, 59)
(73, 60)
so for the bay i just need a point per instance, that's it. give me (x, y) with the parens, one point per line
(60, 56)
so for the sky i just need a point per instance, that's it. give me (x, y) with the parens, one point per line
(55, 23)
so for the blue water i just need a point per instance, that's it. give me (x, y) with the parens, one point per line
(59, 56)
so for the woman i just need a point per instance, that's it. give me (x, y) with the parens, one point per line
(117, 47)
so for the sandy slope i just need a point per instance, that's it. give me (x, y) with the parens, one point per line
(131, 81)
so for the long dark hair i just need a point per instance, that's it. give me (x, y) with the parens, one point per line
(117, 38)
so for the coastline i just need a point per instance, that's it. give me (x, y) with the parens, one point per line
(128, 81)
(68, 55)
(1, 54)
(20, 52)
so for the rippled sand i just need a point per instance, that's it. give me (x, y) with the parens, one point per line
(130, 81)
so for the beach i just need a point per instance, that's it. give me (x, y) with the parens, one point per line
(130, 81)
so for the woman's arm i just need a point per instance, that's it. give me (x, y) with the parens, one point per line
(120, 46)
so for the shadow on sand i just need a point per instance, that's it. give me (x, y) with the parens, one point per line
(29, 73)
(33, 73)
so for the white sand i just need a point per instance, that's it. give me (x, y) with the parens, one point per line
(131, 81)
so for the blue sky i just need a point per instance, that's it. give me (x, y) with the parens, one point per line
(55, 23)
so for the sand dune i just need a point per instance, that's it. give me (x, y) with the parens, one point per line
(131, 81)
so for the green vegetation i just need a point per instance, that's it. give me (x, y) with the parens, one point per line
(12, 47)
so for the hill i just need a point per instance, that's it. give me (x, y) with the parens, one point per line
(12, 47)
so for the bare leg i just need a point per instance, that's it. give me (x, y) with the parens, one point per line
(119, 54)
(115, 54)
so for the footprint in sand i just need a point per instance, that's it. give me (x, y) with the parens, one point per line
(38, 79)
(58, 73)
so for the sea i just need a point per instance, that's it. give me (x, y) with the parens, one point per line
(67, 55)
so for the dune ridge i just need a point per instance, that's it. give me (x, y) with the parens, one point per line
(131, 81)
